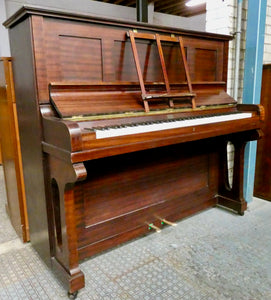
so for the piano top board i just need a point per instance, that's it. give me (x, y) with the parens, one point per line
(89, 64)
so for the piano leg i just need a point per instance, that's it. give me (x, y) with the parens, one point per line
(62, 221)
(232, 196)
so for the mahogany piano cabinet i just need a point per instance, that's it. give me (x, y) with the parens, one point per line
(121, 124)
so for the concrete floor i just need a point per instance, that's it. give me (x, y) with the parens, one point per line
(212, 255)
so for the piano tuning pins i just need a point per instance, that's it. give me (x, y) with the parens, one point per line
(151, 226)
(164, 221)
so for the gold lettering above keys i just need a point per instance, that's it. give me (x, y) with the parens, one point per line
(142, 113)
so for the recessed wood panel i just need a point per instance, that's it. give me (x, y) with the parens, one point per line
(136, 187)
(120, 185)
(174, 62)
(205, 64)
(149, 61)
(80, 58)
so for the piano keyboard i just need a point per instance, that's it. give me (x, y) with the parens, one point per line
(114, 131)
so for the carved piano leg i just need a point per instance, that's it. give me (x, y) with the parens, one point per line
(64, 249)
(232, 196)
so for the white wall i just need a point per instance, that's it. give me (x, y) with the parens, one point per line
(221, 18)
(194, 23)
(214, 19)
(4, 42)
(267, 38)
(80, 6)
(218, 16)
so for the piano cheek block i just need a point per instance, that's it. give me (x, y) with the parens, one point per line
(115, 145)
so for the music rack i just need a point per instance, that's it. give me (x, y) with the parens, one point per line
(169, 94)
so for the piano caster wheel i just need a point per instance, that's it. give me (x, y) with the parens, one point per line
(72, 295)
(241, 213)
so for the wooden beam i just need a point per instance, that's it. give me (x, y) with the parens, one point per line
(130, 2)
(168, 4)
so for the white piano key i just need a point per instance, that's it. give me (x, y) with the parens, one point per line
(128, 130)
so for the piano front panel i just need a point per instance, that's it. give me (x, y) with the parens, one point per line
(91, 52)
(208, 70)
(205, 60)
(127, 192)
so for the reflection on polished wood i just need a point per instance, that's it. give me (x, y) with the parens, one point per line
(77, 75)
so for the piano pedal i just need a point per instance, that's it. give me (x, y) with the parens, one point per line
(164, 221)
(157, 229)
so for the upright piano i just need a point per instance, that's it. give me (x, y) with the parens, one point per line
(124, 129)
